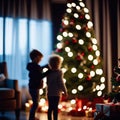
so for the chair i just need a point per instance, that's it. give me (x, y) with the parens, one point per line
(10, 96)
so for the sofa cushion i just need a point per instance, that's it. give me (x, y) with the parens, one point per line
(2, 80)
(2, 84)
(6, 93)
(9, 104)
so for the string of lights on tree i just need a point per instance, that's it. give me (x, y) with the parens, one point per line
(77, 45)
(115, 80)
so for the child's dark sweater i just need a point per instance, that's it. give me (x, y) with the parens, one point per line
(35, 75)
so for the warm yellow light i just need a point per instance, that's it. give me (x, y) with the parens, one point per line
(64, 70)
(99, 93)
(94, 47)
(60, 106)
(70, 34)
(81, 42)
(88, 34)
(97, 53)
(44, 82)
(30, 102)
(59, 37)
(68, 10)
(82, 4)
(94, 41)
(90, 24)
(90, 57)
(59, 45)
(90, 109)
(42, 102)
(86, 10)
(65, 34)
(78, 7)
(85, 70)
(74, 91)
(27, 105)
(99, 71)
(95, 62)
(73, 70)
(94, 90)
(80, 87)
(102, 86)
(70, 54)
(92, 73)
(78, 27)
(87, 16)
(102, 79)
(67, 49)
(97, 87)
(80, 75)
(45, 69)
(44, 108)
(76, 15)
(73, 101)
(73, 4)
(66, 22)
(41, 91)
(84, 107)
(69, 5)
(64, 80)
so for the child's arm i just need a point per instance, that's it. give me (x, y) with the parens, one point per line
(44, 74)
(45, 66)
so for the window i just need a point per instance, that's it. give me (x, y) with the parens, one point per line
(18, 46)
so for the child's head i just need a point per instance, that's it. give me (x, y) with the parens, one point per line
(36, 55)
(55, 61)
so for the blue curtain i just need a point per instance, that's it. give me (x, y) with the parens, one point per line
(22, 31)
(18, 46)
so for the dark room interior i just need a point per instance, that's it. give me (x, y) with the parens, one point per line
(36, 24)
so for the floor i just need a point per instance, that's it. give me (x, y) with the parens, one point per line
(41, 116)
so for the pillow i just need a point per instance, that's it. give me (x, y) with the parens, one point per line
(2, 78)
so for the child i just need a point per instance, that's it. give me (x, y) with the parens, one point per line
(35, 77)
(55, 86)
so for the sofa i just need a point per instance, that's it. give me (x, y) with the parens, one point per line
(10, 95)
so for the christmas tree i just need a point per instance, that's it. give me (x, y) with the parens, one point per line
(115, 79)
(82, 62)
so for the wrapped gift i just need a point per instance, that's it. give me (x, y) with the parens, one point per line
(99, 107)
(107, 109)
(110, 110)
(89, 113)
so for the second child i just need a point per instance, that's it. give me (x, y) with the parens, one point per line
(55, 86)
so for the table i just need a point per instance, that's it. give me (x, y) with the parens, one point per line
(109, 110)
